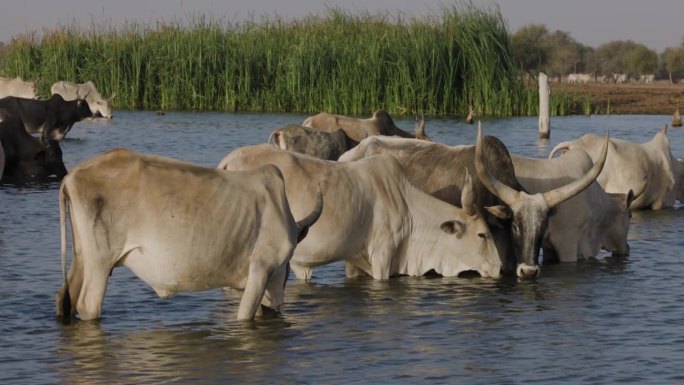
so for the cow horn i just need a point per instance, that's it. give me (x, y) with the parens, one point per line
(507, 194)
(561, 194)
(467, 196)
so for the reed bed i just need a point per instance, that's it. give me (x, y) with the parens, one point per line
(340, 62)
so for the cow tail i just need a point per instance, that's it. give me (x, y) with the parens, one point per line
(561, 147)
(275, 134)
(66, 301)
(304, 224)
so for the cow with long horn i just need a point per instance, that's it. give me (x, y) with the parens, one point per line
(529, 213)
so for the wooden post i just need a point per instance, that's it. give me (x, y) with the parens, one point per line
(544, 94)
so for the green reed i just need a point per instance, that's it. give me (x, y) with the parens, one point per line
(341, 62)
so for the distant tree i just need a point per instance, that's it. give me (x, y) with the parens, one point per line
(673, 58)
(565, 54)
(611, 57)
(529, 49)
(641, 60)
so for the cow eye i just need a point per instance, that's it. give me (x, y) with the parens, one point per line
(482, 235)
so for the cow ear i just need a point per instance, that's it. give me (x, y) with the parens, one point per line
(500, 211)
(454, 227)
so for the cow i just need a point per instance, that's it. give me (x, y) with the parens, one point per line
(585, 224)
(24, 157)
(53, 117)
(516, 219)
(17, 87)
(620, 78)
(358, 129)
(375, 219)
(645, 168)
(179, 227)
(99, 106)
(306, 140)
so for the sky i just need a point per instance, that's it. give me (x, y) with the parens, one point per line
(657, 24)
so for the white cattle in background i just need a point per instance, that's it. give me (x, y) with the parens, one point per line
(17, 87)
(648, 169)
(647, 78)
(620, 78)
(584, 78)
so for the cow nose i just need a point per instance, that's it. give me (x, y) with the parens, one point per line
(527, 272)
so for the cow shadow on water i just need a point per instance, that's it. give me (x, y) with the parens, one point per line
(20, 185)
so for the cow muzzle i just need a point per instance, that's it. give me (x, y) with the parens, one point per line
(526, 271)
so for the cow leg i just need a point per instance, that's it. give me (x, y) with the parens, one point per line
(301, 271)
(357, 266)
(75, 283)
(255, 287)
(274, 296)
(95, 278)
(381, 261)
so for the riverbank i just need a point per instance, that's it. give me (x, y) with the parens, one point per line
(634, 98)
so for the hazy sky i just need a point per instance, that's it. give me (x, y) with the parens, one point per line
(655, 23)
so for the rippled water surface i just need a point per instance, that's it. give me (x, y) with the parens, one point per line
(605, 320)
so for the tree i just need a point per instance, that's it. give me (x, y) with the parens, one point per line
(565, 54)
(527, 45)
(641, 60)
(674, 60)
(611, 57)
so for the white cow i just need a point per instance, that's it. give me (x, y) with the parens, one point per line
(358, 129)
(374, 218)
(177, 226)
(644, 168)
(647, 78)
(620, 78)
(17, 87)
(99, 106)
(584, 224)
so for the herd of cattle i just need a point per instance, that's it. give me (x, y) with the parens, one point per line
(24, 156)
(617, 78)
(385, 201)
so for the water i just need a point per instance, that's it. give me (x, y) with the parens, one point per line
(604, 320)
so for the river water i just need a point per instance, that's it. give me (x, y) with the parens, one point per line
(600, 321)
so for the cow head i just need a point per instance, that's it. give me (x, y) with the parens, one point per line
(529, 213)
(473, 239)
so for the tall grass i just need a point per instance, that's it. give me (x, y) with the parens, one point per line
(341, 62)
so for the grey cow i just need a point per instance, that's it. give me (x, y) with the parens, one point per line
(309, 141)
